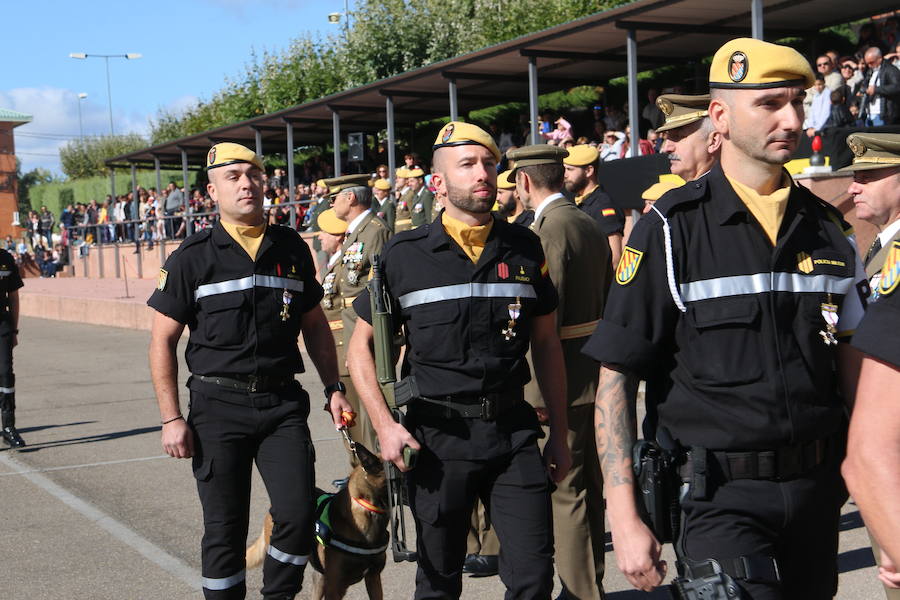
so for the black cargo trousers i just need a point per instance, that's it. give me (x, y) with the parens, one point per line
(231, 430)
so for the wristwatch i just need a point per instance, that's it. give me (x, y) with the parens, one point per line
(334, 387)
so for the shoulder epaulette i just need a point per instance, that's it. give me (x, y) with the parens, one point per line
(834, 215)
(195, 238)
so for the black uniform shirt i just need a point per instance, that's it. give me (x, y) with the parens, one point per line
(233, 305)
(600, 206)
(745, 366)
(10, 281)
(878, 333)
(454, 311)
(525, 218)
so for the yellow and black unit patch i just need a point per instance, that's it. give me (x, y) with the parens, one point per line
(804, 262)
(890, 273)
(628, 265)
(162, 279)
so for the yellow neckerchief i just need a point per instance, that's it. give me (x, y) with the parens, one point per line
(249, 237)
(587, 192)
(470, 239)
(768, 209)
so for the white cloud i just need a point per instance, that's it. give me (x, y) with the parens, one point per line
(55, 121)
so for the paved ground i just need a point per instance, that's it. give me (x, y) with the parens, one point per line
(93, 510)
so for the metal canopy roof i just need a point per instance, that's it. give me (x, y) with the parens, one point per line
(586, 51)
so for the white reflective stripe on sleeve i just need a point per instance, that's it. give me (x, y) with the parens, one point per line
(854, 306)
(467, 290)
(5, 273)
(245, 283)
(759, 283)
(223, 583)
(4, 390)
(290, 559)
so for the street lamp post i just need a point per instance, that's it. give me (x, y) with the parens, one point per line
(335, 18)
(81, 97)
(106, 57)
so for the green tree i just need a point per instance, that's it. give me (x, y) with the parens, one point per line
(85, 157)
(28, 180)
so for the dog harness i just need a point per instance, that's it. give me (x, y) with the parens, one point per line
(326, 537)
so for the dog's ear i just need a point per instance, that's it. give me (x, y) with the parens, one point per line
(371, 463)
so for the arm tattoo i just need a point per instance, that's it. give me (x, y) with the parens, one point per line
(615, 424)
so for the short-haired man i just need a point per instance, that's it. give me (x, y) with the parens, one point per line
(583, 184)
(730, 301)
(882, 89)
(422, 199)
(472, 294)
(382, 203)
(509, 205)
(825, 67)
(246, 290)
(365, 237)
(581, 271)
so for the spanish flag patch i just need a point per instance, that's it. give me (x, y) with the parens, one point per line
(628, 265)
(608, 212)
(890, 273)
(544, 268)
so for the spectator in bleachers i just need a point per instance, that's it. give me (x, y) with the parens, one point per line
(651, 112)
(47, 222)
(825, 67)
(840, 115)
(820, 109)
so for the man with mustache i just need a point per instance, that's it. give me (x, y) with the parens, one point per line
(471, 293)
(733, 300)
(691, 140)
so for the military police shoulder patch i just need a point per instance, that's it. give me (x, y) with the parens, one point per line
(628, 265)
(162, 280)
(890, 273)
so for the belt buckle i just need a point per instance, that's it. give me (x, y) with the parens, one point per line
(488, 408)
(253, 382)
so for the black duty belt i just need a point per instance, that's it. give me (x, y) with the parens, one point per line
(780, 464)
(486, 407)
(248, 383)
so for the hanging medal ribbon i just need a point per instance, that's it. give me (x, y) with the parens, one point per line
(830, 314)
(286, 298)
(514, 312)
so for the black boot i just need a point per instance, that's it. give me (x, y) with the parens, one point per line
(8, 423)
(12, 438)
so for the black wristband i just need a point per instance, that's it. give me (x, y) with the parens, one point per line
(172, 419)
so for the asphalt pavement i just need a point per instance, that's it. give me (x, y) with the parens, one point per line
(94, 510)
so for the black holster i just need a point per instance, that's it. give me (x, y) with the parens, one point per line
(656, 470)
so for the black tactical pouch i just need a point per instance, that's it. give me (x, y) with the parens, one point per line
(405, 390)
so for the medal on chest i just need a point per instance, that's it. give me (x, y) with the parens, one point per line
(286, 297)
(830, 314)
(352, 260)
(514, 311)
(328, 289)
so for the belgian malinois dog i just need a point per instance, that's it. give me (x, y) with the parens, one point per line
(358, 518)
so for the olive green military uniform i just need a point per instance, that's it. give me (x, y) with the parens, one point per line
(403, 212)
(579, 263)
(387, 211)
(876, 151)
(354, 272)
(422, 202)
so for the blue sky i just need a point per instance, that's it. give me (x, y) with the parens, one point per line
(189, 47)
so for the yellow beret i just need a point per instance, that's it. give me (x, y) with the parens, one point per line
(402, 172)
(417, 172)
(321, 183)
(338, 184)
(382, 184)
(656, 191)
(873, 151)
(681, 110)
(329, 223)
(504, 182)
(582, 155)
(746, 63)
(228, 153)
(457, 133)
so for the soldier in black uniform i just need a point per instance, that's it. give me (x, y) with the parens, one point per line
(246, 290)
(472, 293)
(730, 299)
(10, 282)
(582, 183)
